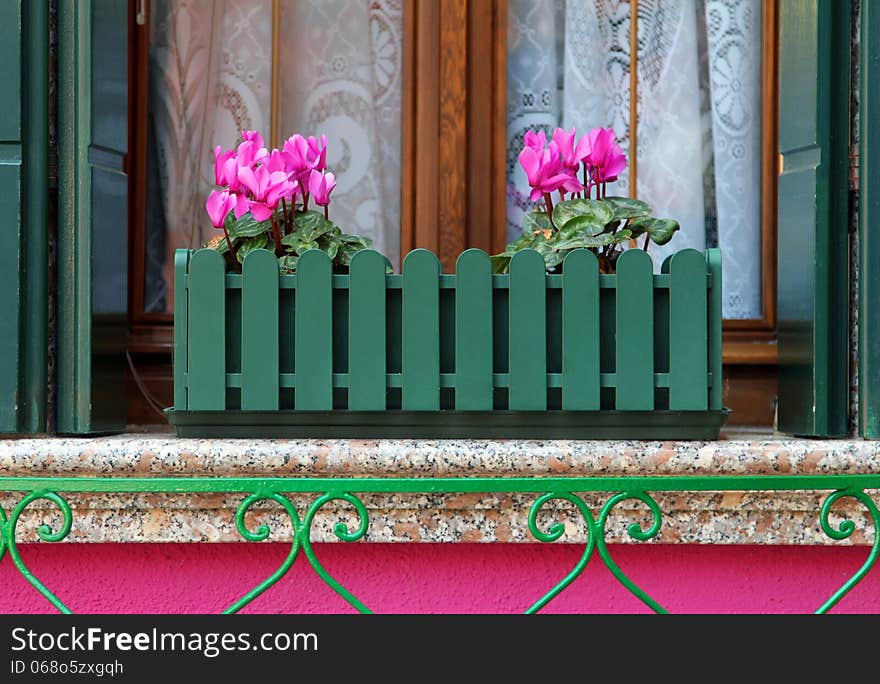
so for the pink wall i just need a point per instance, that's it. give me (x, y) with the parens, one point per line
(424, 578)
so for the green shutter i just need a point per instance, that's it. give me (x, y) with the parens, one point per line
(869, 229)
(24, 47)
(92, 214)
(813, 256)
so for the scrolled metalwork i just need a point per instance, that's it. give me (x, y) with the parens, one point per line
(44, 532)
(636, 532)
(342, 533)
(556, 531)
(844, 531)
(261, 534)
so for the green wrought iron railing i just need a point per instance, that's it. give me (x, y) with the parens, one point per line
(859, 488)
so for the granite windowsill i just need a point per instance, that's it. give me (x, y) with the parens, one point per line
(707, 517)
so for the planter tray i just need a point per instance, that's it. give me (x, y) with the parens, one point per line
(683, 425)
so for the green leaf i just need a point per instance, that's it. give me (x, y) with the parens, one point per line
(622, 236)
(309, 224)
(246, 226)
(357, 240)
(594, 210)
(287, 264)
(248, 245)
(594, 241)
(580, 225)
(501, 262)
(331, 248)
(627, 208)
(521, 242)
(536, 221)
(660, 230)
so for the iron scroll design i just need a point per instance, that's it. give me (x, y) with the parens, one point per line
(553, 495)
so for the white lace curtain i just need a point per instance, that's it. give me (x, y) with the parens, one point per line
(210, 77)
(699, 138)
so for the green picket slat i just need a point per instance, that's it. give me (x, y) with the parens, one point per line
(688, 344)
(206, 365)
(259, 332)
(528, 332)
(313, 333)
(580, 332)
(473, 331)
(421, 332)
(181, 321)
(713, 267)
(634, 362)
(366, 332)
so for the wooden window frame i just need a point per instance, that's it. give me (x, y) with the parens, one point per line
(453, 166)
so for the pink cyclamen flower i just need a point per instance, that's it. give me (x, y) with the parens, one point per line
(267, 189)
(221, 165)
(535, 139)
(218, 205)
(304, 155)
(546, 173)
(254, 136)
(320, 187)
(249, 153)
(606, 160)
(572, 153)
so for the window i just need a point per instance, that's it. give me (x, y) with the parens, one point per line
(448, 81)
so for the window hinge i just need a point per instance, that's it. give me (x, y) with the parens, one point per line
(140, 12)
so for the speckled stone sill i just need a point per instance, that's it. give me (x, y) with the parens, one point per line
(708, 517)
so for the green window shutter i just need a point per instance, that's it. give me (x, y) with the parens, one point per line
(869, 215)
(24, 49)
(92, 214)
(813, 255)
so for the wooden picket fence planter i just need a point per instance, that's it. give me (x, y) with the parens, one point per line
(424, 354)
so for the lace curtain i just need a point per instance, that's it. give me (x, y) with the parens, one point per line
(210, 77)
(699, 139)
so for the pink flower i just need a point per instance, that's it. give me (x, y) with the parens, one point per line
(267, 188)
(302, 156)
(572, 154)
(535, 140)
(249, 153)
(219, 204)
(320, 187)
(254, 136)
(221, 159)
(606, 160)
(546, 173)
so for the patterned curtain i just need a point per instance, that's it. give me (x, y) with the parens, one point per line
(698, 100)
(211, 77)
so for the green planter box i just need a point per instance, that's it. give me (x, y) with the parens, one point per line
(423, 354)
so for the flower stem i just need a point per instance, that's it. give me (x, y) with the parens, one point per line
(326, 212)
(285, 216)
(232, 249)
(276, 235)
(647, 240)
(548, 202)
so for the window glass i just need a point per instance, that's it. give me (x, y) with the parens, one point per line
(699, 104)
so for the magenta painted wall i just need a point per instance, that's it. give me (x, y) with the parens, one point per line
(426, 578)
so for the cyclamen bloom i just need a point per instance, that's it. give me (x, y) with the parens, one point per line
(320, 187)
(304, 155)
(267, 188)
(545, 170)
(219, 204)
(606, 160)
(572, 153)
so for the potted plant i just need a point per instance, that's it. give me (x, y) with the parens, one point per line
(287, 327)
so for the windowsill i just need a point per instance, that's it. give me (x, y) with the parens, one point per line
(688, 517)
